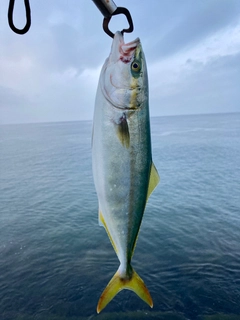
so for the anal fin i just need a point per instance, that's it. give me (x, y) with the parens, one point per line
(153, 180)
(100, 219)
(103, 223)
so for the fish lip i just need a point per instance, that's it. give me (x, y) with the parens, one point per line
(121, 50)
(118, 37)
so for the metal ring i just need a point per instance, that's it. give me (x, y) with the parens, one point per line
(28, 17)
(119, 10)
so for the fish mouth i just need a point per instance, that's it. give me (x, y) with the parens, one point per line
(122, 51)
(125, 53)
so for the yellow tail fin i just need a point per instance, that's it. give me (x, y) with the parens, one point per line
(117, 284)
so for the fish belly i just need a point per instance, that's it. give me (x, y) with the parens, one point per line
(121, 173)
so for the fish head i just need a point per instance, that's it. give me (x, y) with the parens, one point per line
(124, 75)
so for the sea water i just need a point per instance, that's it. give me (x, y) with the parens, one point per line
(55, 260)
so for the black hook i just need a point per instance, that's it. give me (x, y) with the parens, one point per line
(28, 17)
(119, 10)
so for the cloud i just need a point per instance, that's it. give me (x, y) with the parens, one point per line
(201, 88)
(203, 78)
(51, 73)
(12, 103)
(200, 20)
(11, 97)
(68, 95)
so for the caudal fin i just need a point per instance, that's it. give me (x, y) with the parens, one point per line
(116, 284)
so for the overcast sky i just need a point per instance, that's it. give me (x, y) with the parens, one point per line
(51, 73)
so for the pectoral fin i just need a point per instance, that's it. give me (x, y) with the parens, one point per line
(123, 131)
(153, 180)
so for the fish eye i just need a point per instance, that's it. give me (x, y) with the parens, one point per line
(135, 66)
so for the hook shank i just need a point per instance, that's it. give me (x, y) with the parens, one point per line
(107, 7)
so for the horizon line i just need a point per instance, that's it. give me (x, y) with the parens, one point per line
(151, 117)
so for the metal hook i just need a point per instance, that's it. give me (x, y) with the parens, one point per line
(119, 10)
(108, 8)
(28, 17)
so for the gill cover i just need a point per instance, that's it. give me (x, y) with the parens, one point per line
(124, 74)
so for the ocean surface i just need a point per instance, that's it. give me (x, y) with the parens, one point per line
(55, 260)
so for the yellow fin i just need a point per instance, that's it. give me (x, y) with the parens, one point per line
(153, 180)
(100, 218)
(116, 284)
(123, 131)
(103, 223)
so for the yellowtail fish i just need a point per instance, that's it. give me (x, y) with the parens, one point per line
(124, 174)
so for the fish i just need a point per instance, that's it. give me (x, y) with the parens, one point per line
(123, 171)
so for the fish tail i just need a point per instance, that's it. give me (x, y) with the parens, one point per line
(117, 283)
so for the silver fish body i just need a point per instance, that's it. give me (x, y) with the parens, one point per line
(124, 174)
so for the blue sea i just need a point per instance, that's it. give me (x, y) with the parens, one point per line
(55, 260)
